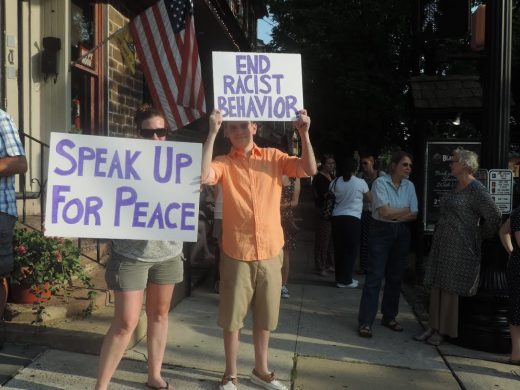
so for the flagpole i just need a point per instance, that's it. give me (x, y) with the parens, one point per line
(121, 30)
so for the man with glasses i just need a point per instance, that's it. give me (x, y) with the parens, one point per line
(252, 241)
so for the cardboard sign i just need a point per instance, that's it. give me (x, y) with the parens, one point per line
(103, 187)
(257, 86)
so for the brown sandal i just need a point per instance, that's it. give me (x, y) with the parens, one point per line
(393, 325)
(365, 331)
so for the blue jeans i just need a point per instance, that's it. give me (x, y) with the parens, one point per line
(389, 244)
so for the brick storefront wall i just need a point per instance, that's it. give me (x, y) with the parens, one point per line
(125, 90)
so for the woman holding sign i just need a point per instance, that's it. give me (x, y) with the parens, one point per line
(467, 215)
(136, 265)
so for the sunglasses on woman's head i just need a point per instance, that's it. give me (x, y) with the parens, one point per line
(148, 133)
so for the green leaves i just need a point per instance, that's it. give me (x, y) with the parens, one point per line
(39, 259)
(355, 58)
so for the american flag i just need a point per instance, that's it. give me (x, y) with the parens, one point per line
(165, 41)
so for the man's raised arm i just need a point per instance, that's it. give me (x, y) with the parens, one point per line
(308, 160)
(215, 122)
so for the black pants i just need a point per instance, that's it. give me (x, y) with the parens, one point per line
(346, 231)
(366, 219)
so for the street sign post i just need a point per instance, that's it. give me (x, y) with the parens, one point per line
(500, 186)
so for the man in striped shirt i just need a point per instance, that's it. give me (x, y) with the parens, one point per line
(12, 162)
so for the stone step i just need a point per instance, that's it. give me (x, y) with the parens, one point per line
(64, 325)
(75, 334)
(76, 301)
(83, 335)
(58, 308)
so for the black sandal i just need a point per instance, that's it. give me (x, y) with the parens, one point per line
(393, 325)
(365, 331)
(166, 387)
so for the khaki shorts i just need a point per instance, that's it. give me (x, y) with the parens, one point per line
(123, 274)
(243, 283)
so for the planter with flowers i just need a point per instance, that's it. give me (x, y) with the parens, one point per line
(43, 266)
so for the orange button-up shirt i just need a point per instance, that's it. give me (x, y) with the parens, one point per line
(251, 188)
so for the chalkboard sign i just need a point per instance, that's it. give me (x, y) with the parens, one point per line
(438, 179)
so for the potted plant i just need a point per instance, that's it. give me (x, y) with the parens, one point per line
(44, 265)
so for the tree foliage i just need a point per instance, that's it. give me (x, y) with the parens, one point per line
(357, 58)
(356, 64)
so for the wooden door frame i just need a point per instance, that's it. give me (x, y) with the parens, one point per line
(97, 75)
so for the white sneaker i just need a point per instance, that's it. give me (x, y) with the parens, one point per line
(285, 292)
(267, 381)
(228, 383)
(354, 284)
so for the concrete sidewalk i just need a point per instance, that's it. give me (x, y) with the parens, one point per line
(315, 347)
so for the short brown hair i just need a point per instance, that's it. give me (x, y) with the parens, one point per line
(146, 111)
(398, 156)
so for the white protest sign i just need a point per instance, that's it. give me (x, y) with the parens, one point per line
(104, 187)
(257, 86)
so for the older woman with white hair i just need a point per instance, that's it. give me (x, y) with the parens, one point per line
(467, 214)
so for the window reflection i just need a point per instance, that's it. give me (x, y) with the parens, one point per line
(82, 27)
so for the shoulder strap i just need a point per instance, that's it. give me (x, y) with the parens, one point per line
(334, 183)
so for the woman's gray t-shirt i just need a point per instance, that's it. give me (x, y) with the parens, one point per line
(147, 251)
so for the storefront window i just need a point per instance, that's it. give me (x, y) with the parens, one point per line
(85, 116)
(81, 105)
(82, 28)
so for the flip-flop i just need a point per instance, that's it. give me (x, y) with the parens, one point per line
(166, 387)
(393, 325)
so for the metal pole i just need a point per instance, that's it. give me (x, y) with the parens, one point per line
(483, 321)
(497, 84)
(121, 30)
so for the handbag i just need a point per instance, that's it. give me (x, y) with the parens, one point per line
(328, 203)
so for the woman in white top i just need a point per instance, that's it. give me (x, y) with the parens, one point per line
(350, 192)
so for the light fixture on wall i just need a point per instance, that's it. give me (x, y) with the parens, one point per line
(456, 121)
(49, 57)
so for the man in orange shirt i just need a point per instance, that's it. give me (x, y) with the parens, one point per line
(252, 240)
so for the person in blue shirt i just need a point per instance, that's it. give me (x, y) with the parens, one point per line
(12, 162)
(394, 204)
